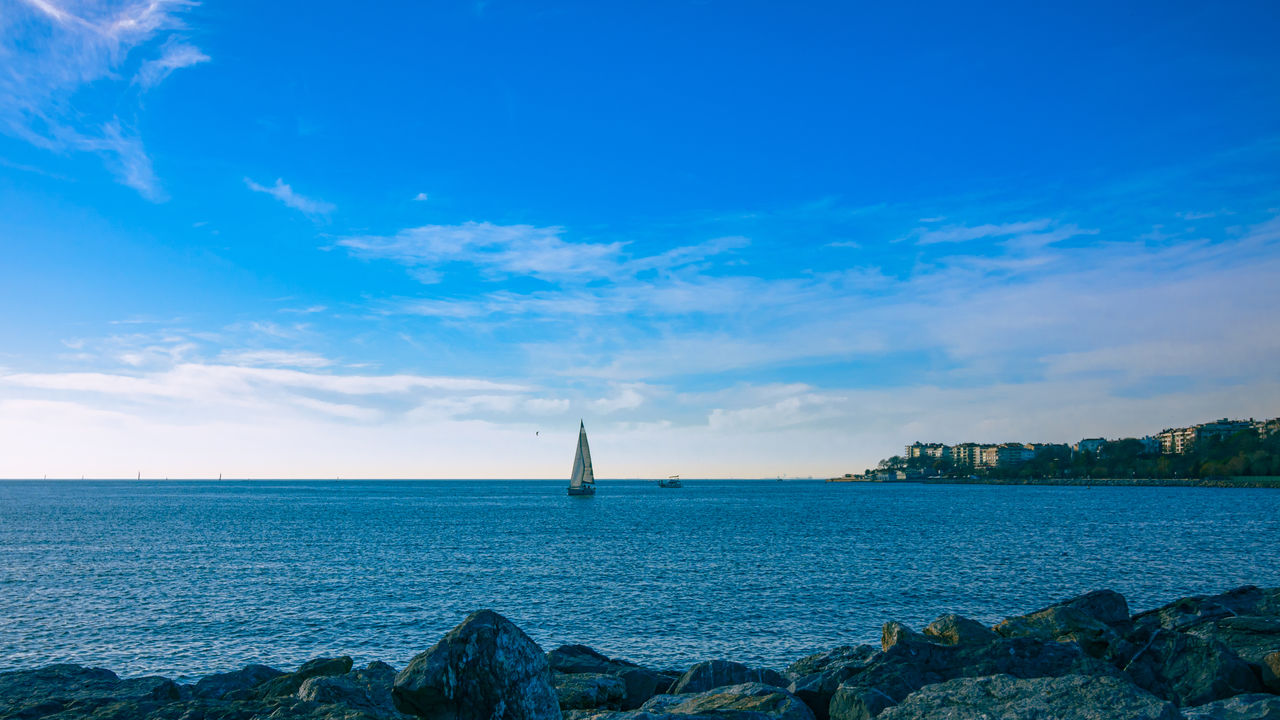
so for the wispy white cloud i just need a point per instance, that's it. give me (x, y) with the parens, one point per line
(175, 55)
(285, 194)
(63, 48)
(962, 233)
(420, 197)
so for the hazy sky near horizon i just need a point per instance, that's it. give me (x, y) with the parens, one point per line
(737, 239)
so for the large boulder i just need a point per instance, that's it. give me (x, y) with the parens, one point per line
(910, 664)
(220, 685)
(1094, 620)
(1271, 672)
(584, 691)
(367, 690)
(1188, 670)
(641, 683)
(1240, 707)
(1072, 697)
(815, 678)
(81, 691)
(288, 684)
(744, 701)
(711, 674)
(486, 668)
(959, 630)
(1252, 637)
(1189, 612)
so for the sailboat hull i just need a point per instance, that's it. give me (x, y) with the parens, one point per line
(585, 490)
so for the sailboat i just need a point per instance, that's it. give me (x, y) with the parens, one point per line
(583, 479)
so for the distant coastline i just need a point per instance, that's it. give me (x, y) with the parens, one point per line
(1272, 481)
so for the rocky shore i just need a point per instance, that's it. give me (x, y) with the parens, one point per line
(1199, 658)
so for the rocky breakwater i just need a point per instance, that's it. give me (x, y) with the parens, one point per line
(1200, 658)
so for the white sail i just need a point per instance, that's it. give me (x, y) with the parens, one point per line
(582, 472)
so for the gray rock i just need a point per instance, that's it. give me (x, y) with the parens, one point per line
(81, 691)
(959, 630)
(712, 674)
(1003, 697)
(289, 683)
(1192, 611)
(1271, 672)
(815, 678)
(486, 668)
(641, 683)
(1252, 637)
(367, 690)
(218, 685)
(584, 691)
(744, 701)
(909, 665)
(894, 632)
(1187, 669)
(1063, 623)
(1240, 707)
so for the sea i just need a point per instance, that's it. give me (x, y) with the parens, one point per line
(187, 578)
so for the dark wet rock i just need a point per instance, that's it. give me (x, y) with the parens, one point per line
(1062, 623)
(712, 674)
(583, 691)
(289, 683)
(959, 630)
(1188, 670)
(910, 664)
(81, 692)
(743, 701)
(815, 678)
(218, 685)
(367, 690)
(826, 660)
(486, 668)
(1252, 637)
(1189, 612)
(1270, 666)
(893, 633)
(1107, 606)
(1240, 707)
(1071, 697)
(641, 683)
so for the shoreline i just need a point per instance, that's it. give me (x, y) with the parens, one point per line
(1244, 481)
(1196, 658)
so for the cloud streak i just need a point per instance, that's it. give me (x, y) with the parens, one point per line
(286, 194)
(68, 49)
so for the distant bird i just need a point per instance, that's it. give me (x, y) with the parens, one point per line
(536, 433)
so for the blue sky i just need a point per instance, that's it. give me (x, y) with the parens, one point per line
(738, 239)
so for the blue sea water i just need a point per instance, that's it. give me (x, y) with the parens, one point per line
(187, 578)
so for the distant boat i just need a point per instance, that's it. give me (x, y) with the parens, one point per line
(583, 480)
(672, 481)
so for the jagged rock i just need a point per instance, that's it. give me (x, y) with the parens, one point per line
(743, 701)
(1271, 672)
(486, 668)
(1189, 612)
(1062, 623)
(1187, 669)
(1071, 697)
(1107, 606)
(894, 632)
(641, 683)
(1240, 707)
(289, 683)
(909, 665)
(959, 630)
(816, 677)
(367, 690)
(712, 674)
(583, 691)
(1252, 637)
(218, 685)
(83, 691)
